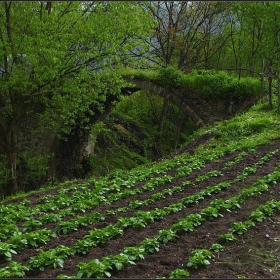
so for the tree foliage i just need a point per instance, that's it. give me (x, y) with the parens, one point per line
(234, 36)
(57, 62)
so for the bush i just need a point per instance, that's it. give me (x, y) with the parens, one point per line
(211, 84)
(32, 168)
(219, 85)
(244, 88)
(86, 167)
(88, 163)
(170, 77)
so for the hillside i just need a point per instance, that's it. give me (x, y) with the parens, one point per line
(210, 210)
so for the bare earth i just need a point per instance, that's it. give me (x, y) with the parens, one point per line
(256, 254)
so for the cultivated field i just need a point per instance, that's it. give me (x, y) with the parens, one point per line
(207, 212)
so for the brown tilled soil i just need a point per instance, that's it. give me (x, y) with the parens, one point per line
(256, 254)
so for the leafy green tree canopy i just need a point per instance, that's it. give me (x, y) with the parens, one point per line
(58, 60)
(61, 54)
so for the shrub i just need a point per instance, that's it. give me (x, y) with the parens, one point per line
(244, 88)
(179, 273)
(211, 84)
(199, 257)
(170, 77)
(32, 168)
(86, 167)
(218, 84)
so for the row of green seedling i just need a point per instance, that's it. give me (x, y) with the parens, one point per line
(201, 257)
(54, 202)
(141, 219)
(154, 182)
(161, 195)
(90, 202)
(99, 269)
(69, 226)
(87, 220)
(81, 205)
(164, 236)
(74, 224)
(116, 184)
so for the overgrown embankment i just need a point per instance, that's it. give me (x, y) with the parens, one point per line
(144, 126)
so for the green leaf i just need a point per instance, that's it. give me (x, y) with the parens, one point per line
(118, 265)
(206, 262)
(8, 254)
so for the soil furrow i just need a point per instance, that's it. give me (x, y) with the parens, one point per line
(135, 236)
(176, 253)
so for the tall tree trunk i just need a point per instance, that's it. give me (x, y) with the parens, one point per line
(180, 122)
(11, 153)
(270, 77)
(278, 89)
(262, 83)
(161, 125)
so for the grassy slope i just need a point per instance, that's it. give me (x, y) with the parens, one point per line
(256, 127)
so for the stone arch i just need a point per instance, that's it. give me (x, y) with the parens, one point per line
(172, 95)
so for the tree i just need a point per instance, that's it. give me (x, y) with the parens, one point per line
(58, 61)
(270, 47)
(188, 34)
(259, 29)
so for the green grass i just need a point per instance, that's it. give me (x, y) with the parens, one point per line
(149, 75)
(248, 130)
(41, 189)
(209, 84)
